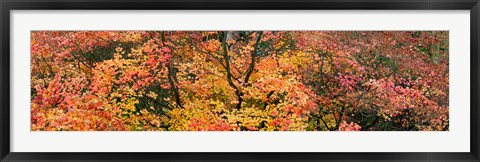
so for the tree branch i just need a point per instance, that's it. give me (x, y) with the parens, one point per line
(172, 77)
(253, 56)
(239, 94)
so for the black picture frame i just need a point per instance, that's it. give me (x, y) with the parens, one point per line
(5, 64)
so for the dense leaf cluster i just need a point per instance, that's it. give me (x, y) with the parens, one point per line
(239, 80)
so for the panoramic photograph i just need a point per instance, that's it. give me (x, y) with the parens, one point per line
(239, 81)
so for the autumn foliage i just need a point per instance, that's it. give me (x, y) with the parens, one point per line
(239, 80)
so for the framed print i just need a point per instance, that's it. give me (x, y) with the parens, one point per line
(200, 80)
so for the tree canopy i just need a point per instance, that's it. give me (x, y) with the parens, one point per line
(239, 80)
